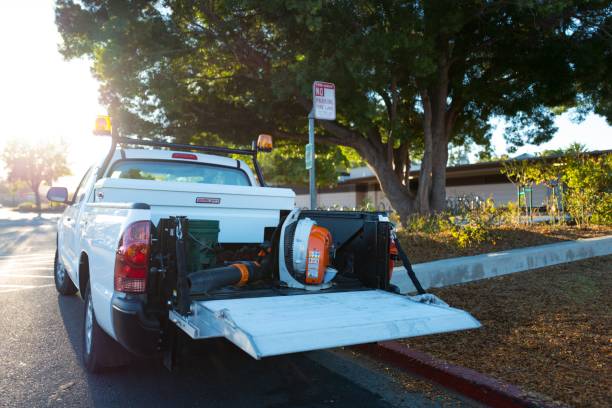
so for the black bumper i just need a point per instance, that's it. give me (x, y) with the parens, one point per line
(134, 331)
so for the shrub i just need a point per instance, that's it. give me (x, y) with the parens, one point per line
(603, 210)
(428, 224)
(470, 234)
(467, 229)
(26, 206)
(366, 205)
(510, 214)
(588, 181)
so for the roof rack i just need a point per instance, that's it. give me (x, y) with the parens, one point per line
(185, 147)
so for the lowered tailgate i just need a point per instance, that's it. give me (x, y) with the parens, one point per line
(268, 326)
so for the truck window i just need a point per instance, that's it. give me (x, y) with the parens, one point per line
(165, 170)
(80, 190)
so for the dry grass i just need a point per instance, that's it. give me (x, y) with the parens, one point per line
(423, 247)
(547, 331)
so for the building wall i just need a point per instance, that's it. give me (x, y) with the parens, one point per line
(502, 193)
(346, 199)
(302, 200)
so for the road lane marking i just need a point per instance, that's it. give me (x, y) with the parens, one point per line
(21, 252)
(28, 288)
(21, 275)
(34, 255)
(11, 285)
(28, 260)
(27, 268)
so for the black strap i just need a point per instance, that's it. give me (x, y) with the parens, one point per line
(408, 267)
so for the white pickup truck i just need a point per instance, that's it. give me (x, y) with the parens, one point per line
(162, 242)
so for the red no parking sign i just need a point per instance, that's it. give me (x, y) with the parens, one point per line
(324, 100)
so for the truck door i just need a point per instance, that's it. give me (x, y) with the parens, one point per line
(71, 229)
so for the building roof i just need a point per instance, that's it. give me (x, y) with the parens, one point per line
(364, 174)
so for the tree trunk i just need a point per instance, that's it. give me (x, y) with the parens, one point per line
(444, 125)
(38, 206)
(398, 194)
(424, 189)
(438, 168)
(375, 154)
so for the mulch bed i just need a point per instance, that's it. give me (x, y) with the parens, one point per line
(424, 247)
(548, 331)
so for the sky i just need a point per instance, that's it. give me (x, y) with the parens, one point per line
(42, 96)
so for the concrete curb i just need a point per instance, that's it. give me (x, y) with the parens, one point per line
(453, 271)
(464, 381)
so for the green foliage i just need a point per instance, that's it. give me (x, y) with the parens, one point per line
(470, 228)
(470, 234)
(34, 164)
(236, 68)
(366, 205)
(530, 172)
(285, 165)
(29, 206)
(603, 210)
(583, 180)
(520, 172)
(475, 226)
(26, 206)
(589, 184)
(428, 224)
(510, 213)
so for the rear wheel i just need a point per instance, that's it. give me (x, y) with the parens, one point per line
(99, 349)
(63, 283)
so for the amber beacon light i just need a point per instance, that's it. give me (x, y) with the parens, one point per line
(103, 126)
(264, 143)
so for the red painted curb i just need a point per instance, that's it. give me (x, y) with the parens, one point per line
(467, 382)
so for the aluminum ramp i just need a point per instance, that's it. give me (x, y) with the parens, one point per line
(268, 326)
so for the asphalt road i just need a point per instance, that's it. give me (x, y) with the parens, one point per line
(40, 344)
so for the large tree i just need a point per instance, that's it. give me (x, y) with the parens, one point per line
(33, 164)
(412, 76)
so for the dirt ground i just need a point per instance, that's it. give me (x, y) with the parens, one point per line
(422, 247)
(548, 331)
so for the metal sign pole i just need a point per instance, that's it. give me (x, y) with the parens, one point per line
(311, 142)
(323, 108)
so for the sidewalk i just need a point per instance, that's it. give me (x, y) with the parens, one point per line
(465, 269)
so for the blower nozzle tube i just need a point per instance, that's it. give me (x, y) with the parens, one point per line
(206, 280)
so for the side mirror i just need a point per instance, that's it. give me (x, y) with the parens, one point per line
(264, 143)
(58, 194)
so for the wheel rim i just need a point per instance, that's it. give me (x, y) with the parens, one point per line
(59, 272)
(88, 325)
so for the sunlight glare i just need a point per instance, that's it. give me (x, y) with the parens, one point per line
(42, 96)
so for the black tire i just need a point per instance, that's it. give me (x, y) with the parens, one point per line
(99, 349)
(63, 283)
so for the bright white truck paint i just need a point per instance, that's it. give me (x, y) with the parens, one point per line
(100, 240)
(260, 326)
(93, 227)
(242, 211)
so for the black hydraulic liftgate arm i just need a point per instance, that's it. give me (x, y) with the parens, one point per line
(182, 287)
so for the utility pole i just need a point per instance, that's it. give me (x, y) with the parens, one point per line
(323, 108)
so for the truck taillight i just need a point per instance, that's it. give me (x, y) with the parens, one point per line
(132, 259)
